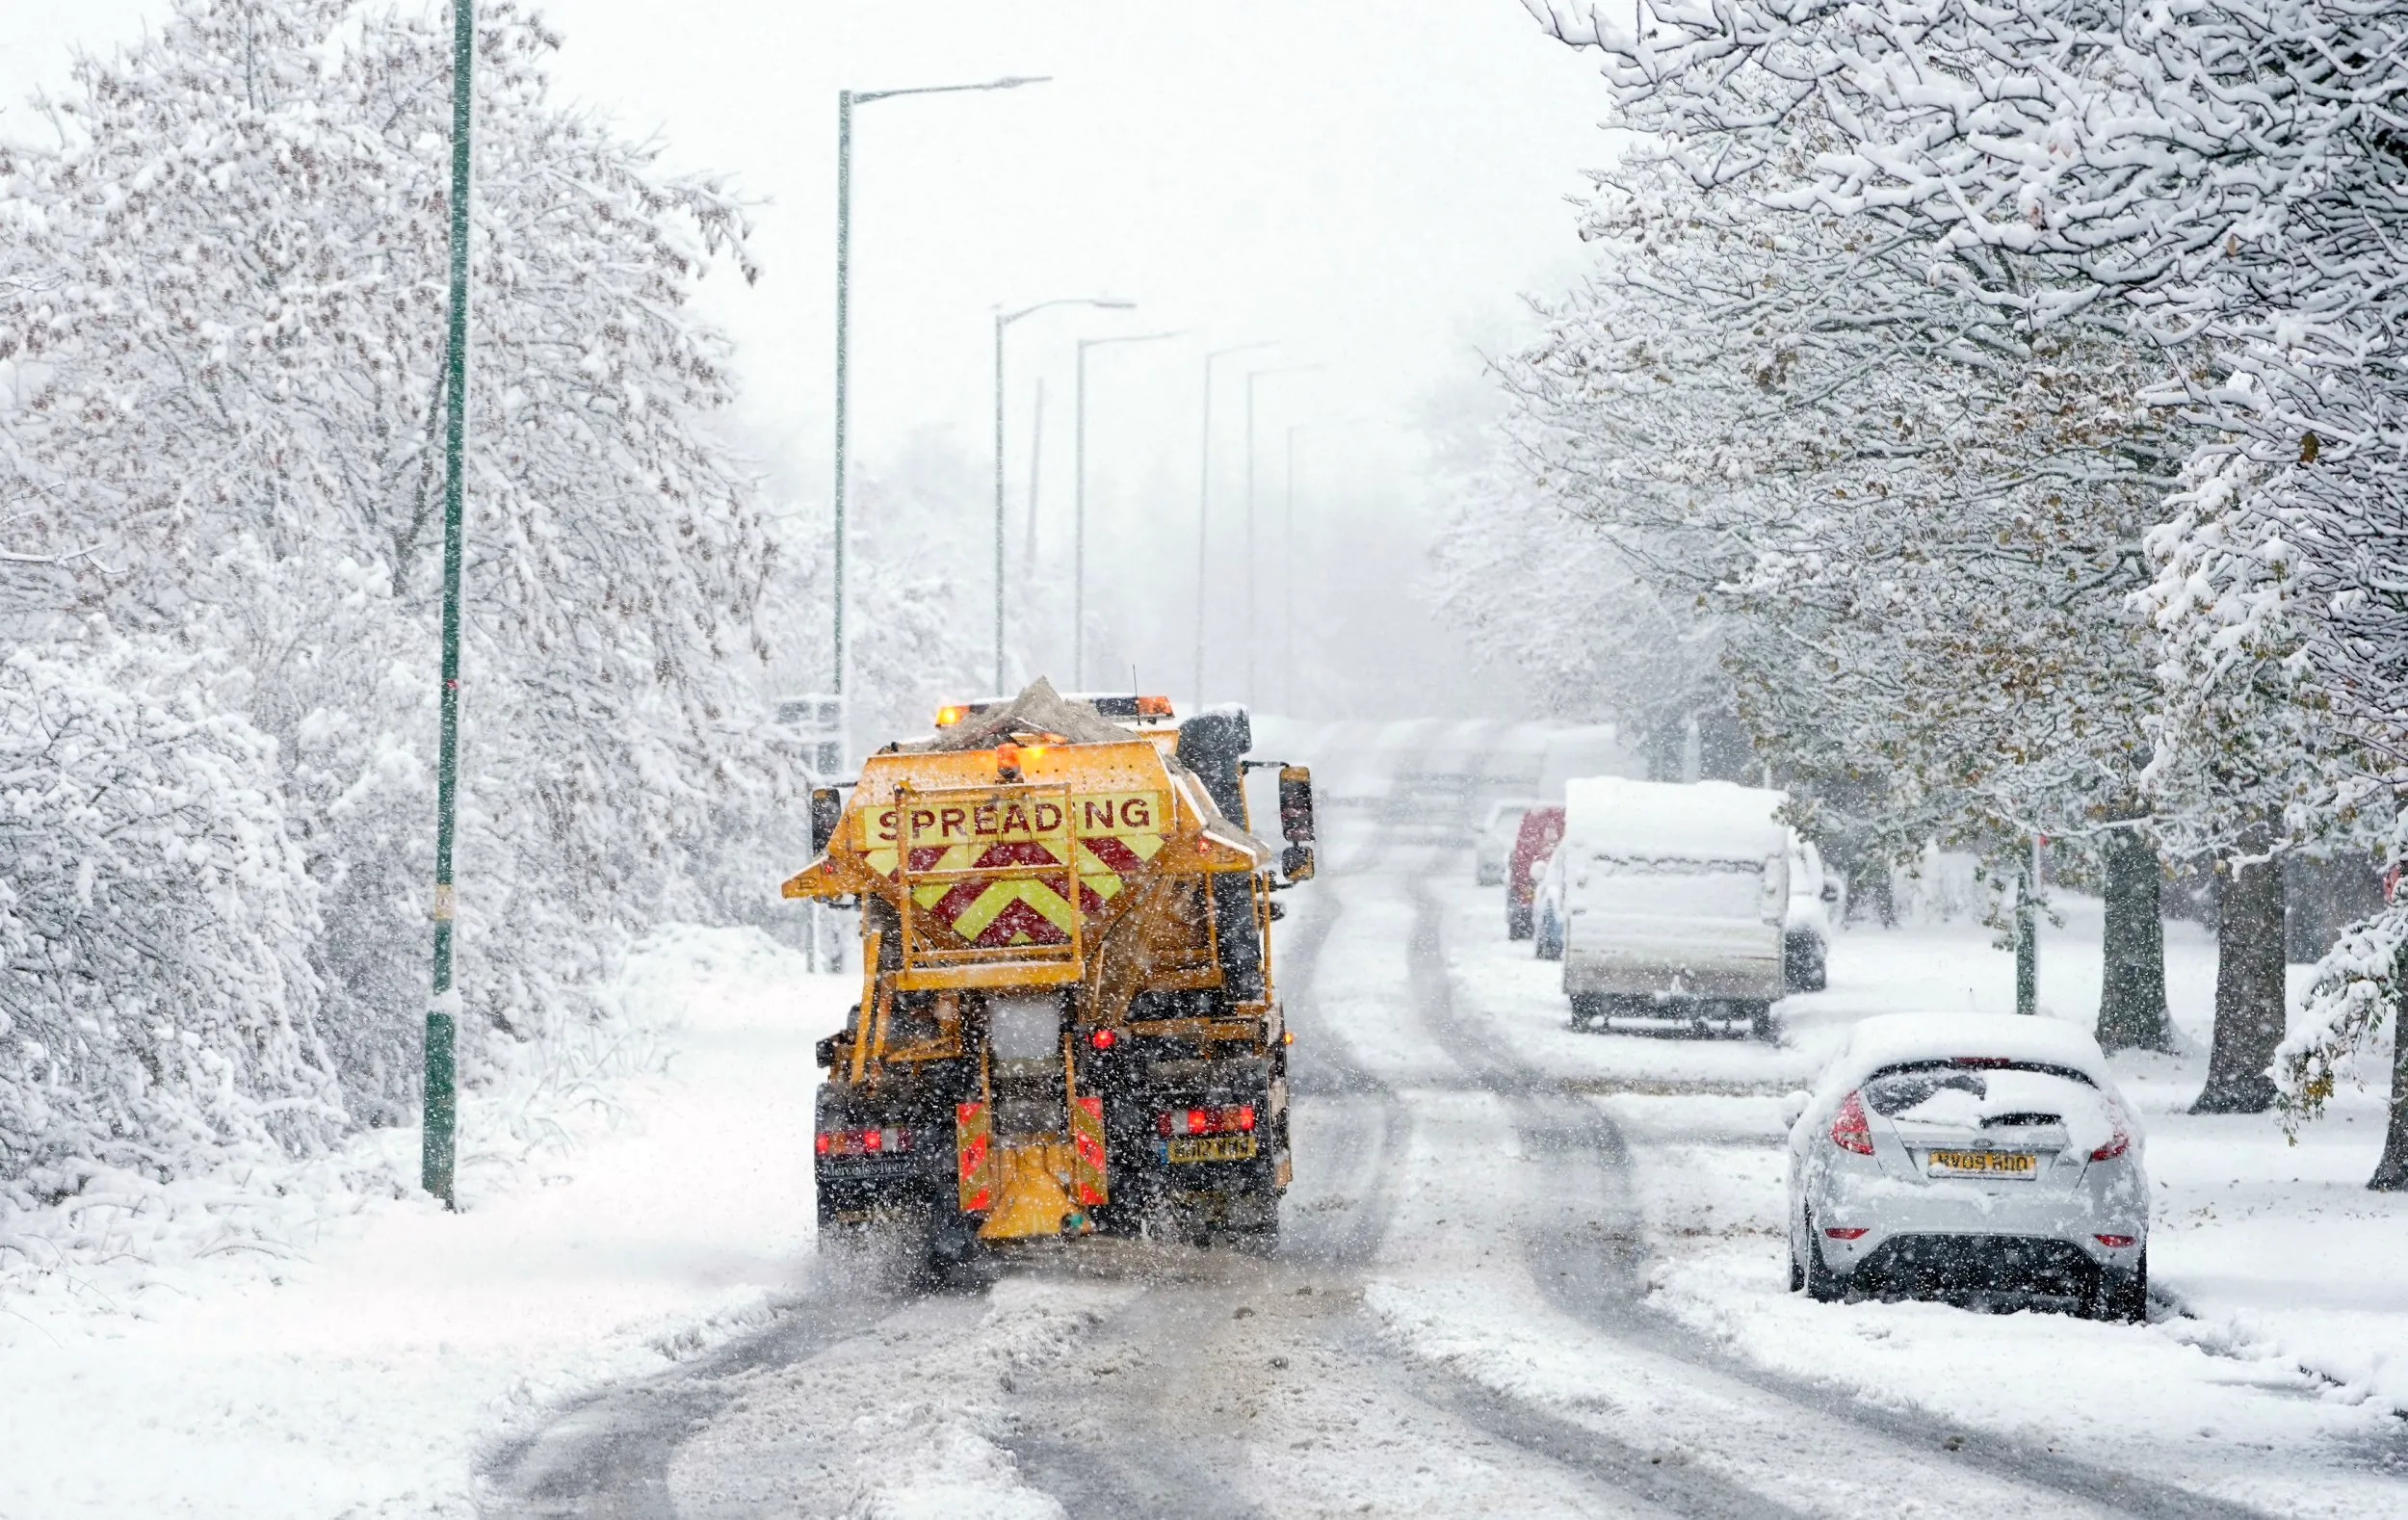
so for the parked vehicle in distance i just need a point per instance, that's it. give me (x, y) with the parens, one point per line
(1673, 902)
(1814, 911)
(1547, 910)
(1492, 848)
(1533, 841)
(1970, 1157)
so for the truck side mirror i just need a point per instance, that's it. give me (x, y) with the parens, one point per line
(1831, 891)
(1296, 805)
(827, 807)
(1297, 863)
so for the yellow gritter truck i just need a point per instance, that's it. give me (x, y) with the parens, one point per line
(1067, 1020)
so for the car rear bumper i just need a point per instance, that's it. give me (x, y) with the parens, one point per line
(1887, 1211)
(1610, 973)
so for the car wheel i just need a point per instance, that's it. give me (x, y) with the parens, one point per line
(1588, 1010)
(1550, 945)
(2123, 1297)
(1517, 922)
(1760, 1021)
(1822, 1284)
(1797, 1274)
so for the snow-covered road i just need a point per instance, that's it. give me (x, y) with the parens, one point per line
(1522, 1272)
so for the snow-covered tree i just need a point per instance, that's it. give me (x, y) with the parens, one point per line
(1547, 599)
(1917, 518)
(155, 918)
(221, 302)
(2226, 171)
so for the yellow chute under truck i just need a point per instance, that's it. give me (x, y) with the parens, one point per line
(1068, 1021)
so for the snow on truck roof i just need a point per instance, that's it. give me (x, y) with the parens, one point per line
(1700, 819)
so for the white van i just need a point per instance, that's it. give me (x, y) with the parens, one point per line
(1673, 902)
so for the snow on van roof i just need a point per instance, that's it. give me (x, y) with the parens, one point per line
(1696, 819)
(1887, 1039)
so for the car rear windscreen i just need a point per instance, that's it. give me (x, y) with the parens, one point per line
(1909, 1089)
(1674, 888)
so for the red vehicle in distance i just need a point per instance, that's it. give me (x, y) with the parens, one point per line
(1542, 830)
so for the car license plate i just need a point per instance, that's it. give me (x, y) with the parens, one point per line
(1982, 1164)
(1213, 1147)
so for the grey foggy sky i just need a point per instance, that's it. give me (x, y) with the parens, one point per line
(1375, 186)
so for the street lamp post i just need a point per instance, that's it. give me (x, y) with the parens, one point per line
(1078, 507)
(1003, 320)
(1204, 506)
(1251, 375)
(845, 100)
(1287, 574)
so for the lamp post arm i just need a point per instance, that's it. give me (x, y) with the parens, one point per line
(1007, 82)
(1099, 302)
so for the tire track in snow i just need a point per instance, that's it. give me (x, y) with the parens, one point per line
(1193, 1364)
(607, 1457)
(1148, 1458)
(1629, 1474)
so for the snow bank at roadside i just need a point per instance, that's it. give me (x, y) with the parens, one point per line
(331, 1342)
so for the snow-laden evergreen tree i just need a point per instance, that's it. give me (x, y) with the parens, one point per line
(221, 313)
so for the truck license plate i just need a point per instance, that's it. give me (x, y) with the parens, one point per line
(1212, 1147)
(1982, 1164)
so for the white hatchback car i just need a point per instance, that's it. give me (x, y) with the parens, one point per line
(1972, 1156)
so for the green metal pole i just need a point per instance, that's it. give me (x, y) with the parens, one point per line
(442, 1112)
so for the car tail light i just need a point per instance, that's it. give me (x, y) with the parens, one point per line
(2117, 1144)
(1850, 1129)
(1103, 1039)
(1844, 1232)
(2119, 1241)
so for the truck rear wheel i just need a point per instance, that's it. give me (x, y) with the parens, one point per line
(1263, 1236)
